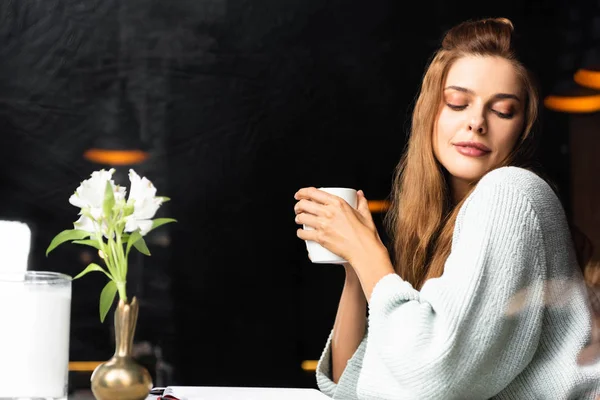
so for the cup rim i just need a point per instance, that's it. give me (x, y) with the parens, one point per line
(40, 277)
(337, 188)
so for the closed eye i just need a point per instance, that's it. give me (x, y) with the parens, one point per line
(503, 115)
(456, 107)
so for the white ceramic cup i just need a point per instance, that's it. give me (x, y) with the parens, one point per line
(318, 254)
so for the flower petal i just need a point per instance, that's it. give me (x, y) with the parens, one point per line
(141, 188)
(145, 226)
(77, 201)
(85, 224)
(131, 224)
(119, 193)
(146, 209)
(90, 192)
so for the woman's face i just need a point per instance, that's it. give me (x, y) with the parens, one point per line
(480, 119)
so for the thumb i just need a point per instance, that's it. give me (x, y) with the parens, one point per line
(362, 205)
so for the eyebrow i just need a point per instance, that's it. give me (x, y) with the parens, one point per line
(499, 96)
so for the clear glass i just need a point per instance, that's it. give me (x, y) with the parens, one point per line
(35, 315)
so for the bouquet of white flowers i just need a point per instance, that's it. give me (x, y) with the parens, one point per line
(113, 225)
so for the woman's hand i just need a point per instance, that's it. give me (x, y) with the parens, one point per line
(338, 227)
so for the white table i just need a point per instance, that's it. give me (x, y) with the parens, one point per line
(247, 393)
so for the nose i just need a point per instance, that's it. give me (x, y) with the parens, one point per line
(477, 124)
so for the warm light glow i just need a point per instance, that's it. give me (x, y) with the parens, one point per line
(377, 206)
(588, 78)
(573, 104)
(309, 365)
(116, 157)
(83, 366)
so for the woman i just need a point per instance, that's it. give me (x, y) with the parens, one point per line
(485, 298)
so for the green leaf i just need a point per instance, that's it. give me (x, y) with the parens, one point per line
(161, 221)
(109, 200)
(163, 198)
(89, 242)
(140, 245)
(135, 236)
(90, 268)
(66, 235)
(107, 298)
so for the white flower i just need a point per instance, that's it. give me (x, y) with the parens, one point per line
(90, 193)
(142, 196)
(85, 224)
(89, 196)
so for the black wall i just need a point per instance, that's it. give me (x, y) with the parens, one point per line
(240, 104)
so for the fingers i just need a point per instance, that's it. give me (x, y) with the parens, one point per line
(308, 206)
(362, 206)
(314, 194)
(308, 235)
(308, 220)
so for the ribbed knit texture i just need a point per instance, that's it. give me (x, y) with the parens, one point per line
(506, 320)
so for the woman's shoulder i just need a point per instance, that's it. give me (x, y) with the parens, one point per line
(523, 181)
(524, 185)
(515, 177)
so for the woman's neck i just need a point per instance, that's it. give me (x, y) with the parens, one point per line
(459, 188)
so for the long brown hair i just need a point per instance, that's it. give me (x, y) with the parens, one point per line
(422, 215)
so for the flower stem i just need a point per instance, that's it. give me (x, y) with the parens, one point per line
(113, 257)
(105, 257)
(121, 290)
(121, 257)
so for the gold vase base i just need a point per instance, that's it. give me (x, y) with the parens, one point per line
(121, 378)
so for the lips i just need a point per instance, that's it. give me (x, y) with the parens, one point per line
(471, 149)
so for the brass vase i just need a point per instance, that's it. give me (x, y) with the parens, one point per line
(121, 377)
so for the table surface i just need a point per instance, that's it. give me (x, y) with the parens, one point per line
(234, 394)
(247, 393)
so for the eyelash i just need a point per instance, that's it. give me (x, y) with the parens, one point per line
(498, 113)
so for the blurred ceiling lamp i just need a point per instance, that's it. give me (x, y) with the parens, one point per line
(581, 92)
(115, 157)
(574, 99)
(588, 77)
(117, 142)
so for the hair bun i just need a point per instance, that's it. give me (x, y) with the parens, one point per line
(505, 21)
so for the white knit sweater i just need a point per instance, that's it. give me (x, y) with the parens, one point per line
(506, 320)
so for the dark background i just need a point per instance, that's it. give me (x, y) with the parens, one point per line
(239, 103)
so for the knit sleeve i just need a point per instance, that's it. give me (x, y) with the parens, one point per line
(458, 338)
(346, 387)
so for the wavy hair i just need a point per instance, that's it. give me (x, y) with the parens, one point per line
(422, 214)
